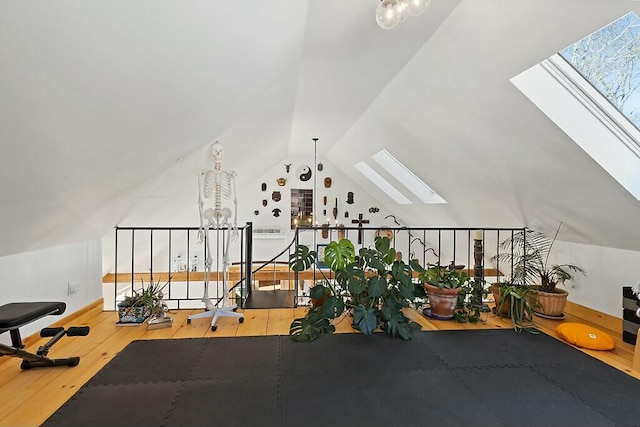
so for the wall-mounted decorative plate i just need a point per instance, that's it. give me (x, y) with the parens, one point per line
(304, 173)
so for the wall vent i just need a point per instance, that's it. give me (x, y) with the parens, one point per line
(268, 233)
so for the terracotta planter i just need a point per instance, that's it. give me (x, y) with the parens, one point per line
(442, 302)
(548, 304)
(495, 289)
(317, 302)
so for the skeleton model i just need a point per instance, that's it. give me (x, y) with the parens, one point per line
(214, 186)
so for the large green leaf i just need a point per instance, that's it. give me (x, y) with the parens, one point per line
(377, 286)
(383, 246)
(356, 282)
(365, 319)
(416, 266)
(406, 291)
(393, 303)
(371, 260)
(338, 254)
(402, 273)
(398, 325)
(302, 258)
(309, 328)
(332, 307)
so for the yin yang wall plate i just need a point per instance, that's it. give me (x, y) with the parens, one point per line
(304, 173)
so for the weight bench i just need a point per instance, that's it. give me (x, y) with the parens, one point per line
(15, 315)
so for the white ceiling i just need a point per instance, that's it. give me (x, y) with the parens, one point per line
(99, 98)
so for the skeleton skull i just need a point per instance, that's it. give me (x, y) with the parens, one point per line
(217, 151)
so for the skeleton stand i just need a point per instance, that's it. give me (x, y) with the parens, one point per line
(218, 184)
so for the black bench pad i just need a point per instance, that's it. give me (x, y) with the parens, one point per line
(16, 314)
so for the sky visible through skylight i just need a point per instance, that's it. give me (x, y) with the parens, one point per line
(609, 59)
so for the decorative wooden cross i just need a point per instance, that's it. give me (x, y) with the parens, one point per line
(360, 221)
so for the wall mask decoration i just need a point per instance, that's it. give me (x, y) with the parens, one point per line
(320, 167)
(341, 232)
(346, 214)
(276, 196)
(327, 182)
(264, 186)
(256, 213)
(385, 232)
(287, 167)
(325, 231)
(276, 212)
(304, 173)
(264, 202)
(281, 182)
(350, 197)
(324, 200)
(324, 212)
(374, 209)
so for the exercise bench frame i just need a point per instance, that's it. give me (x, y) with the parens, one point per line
(13, 316)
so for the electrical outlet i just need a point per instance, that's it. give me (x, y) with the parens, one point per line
(72, 288)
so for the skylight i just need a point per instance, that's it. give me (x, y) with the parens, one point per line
(414, 184)
(382, 183)
(590, 91)
(608, 59)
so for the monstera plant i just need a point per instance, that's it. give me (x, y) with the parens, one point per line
(371, 284)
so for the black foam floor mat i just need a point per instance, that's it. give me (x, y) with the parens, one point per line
(440, 378)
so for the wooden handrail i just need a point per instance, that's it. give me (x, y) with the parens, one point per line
(234, 275)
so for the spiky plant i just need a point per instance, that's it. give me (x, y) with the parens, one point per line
(528, 253)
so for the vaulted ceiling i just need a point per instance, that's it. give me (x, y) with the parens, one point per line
(100, 98)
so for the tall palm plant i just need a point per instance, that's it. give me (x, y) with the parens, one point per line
(528, 253)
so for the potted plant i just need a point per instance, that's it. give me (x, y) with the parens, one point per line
(443, 285)
(136, 308)
(528, 253)
(513, 301)
(319, 293)
(372, 285)
(470, 303)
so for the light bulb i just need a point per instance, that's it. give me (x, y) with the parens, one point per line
(417, 7)
(387, 15)
(403, 10)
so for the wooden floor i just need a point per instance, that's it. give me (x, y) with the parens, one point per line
(30, 397)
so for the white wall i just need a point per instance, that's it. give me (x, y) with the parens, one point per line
(44, 275)
(172, 202)
(608, 270)
(252, 196)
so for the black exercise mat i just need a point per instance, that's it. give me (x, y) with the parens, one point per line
(440, 378)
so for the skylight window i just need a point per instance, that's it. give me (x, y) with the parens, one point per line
(608, 59)
(589, 90)
(382, 183)
(414, 184)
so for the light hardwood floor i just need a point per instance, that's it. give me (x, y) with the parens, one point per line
(30, 397)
